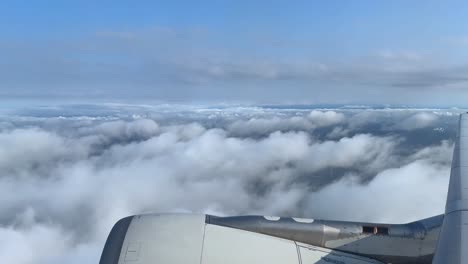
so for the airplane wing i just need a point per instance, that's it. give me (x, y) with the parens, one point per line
(206, 239)
(185, 238)
(453, 242)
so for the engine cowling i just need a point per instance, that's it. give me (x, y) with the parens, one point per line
(191, 239)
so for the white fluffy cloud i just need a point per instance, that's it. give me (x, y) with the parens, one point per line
(325, 118)
(416, 190)
(418, 120)
(258, 126)
(63, 187)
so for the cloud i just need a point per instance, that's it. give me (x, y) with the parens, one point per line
(418, 184)
(325, 118)
(34, 245)
(44, 244)
(374, 152)
(418, 120)
(142, 64)
(30, 149)
(78, 175)
(263, 126)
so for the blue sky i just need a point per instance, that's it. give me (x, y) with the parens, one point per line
(397, 52)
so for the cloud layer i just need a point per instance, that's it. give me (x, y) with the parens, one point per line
(68, 175)
(188, 64)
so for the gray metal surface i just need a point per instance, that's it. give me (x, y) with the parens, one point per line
(453, 243)
(405, 243)
(188, 239)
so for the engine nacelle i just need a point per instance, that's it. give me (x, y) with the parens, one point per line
(191, 239)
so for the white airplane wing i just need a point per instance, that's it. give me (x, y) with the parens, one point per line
(453, 242)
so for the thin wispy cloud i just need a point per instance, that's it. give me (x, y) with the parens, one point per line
(159, 64)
